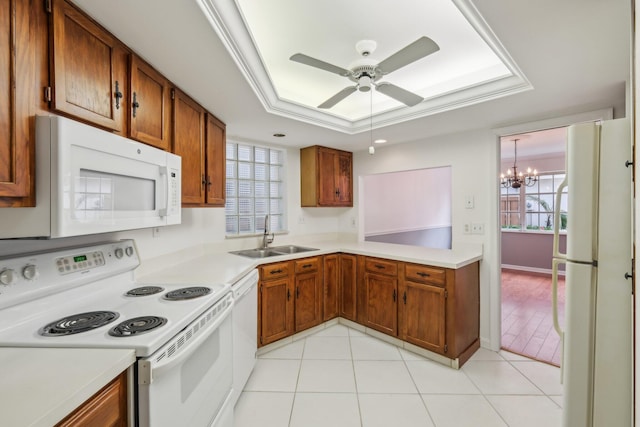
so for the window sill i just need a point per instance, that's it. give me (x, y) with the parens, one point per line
(240, 236)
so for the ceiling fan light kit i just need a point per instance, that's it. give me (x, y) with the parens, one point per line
(366, 72)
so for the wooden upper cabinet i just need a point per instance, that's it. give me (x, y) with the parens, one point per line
(88, 69)
(17, 93)
(216, 155)
(326, 177)
(189, 143)
(150, 105)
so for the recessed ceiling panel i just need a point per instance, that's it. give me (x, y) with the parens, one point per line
(470, 66)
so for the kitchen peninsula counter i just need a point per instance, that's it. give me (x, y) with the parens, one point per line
(41, 386)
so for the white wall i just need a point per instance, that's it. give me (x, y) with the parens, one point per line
(473, 157)
(407, 201)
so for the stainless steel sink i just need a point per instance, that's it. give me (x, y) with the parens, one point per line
(275, 251)
(292, 249)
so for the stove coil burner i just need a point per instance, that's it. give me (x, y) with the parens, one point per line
(77, 323)
(137, 326)
(144, 291)
(187, 293)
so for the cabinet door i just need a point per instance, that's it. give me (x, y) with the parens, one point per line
(216, 143)
(424, 316)
(16, 83)
(382, 303)
(88, 75)
(188, 142)
(348, 281)
(150, 105)
(330, 299)
(308, 306)
(343, 179)
(276, 310)
(327, 189)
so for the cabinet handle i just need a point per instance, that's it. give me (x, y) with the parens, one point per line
(404, 297)
(379, 267)
(118, 95)
(394, 295)
(208, 181)
(204, 181)
(421, 274)
(275, 271)
(307, 265)
(288, 295)
(297, 292)
(338, 192)
(135, 104)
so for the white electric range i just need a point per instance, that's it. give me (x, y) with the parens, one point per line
(86, 297)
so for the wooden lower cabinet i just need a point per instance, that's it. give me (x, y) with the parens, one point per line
(275, 303)
(290, 298)
(107, 408)
(381, 290)
(331, 287)
(423, 312)
(348, 286)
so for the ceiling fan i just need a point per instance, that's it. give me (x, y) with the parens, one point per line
(366, 72)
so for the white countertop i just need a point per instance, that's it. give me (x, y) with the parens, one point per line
(41, 386)
(224, 267)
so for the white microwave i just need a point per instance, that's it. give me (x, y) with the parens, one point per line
(90, 181)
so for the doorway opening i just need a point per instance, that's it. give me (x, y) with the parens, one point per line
(527, 208)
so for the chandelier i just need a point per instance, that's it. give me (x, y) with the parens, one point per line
(515, 179)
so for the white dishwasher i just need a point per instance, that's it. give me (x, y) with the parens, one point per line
(245, 330)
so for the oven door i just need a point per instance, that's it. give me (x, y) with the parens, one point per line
(188, 382)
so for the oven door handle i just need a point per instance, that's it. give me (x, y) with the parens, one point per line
(146, 372)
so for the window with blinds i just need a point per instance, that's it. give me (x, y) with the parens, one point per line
(255, 187)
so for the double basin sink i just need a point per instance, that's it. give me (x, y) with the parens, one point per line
(274, 251)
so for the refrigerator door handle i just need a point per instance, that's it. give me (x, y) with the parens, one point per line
(554, 302)
(556, 221)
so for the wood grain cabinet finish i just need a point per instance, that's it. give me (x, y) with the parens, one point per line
(326, 177)
(308, 293)
(381, 290)
(107, 408)
(331, 287)
(215, 162)
(23, 74)
(348, 286)
(275, 303)
(189, 143)
(88, 69)
(150, 101)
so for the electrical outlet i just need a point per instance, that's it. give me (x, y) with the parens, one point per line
(353, 221)
(477, 228)
(468, 202)
(301, 219)
(155, 232)
(467, 228)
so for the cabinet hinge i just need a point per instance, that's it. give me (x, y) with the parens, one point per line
(446, 348)
(446, 294)
(47, 6)
(47, 94)
(173, 94)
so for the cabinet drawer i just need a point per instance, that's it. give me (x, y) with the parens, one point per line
(375, 265)
(274, 271)
(424, 274)
(306, 265)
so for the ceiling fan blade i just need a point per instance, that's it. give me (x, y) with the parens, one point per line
(338, 97)
(418, 49)
(408, 98)
(307, 60)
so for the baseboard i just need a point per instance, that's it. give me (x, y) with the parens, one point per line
(546, 271)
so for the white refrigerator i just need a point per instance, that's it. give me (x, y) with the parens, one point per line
(597, 362)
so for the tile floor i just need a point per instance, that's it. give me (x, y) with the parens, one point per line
(341, 377)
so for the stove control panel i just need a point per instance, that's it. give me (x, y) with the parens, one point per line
(27, 276)
(81, 261)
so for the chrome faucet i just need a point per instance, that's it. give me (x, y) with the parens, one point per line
(265, 236)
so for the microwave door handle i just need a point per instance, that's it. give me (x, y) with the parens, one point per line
(162, 211)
